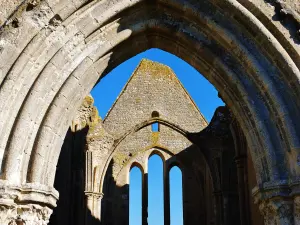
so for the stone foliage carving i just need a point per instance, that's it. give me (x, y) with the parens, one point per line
(99, 143)
(30, 214)
(86, 115)
(7, 214)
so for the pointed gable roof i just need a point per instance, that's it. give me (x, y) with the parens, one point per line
(153, 87)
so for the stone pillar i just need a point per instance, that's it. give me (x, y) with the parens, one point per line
(145, 199)
(29, 204)
(243, 200)
(219, 207)
(166, 196)
(93, 207)
(240, 146)
(98, 202)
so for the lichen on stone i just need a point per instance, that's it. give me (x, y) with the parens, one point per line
(87, 115)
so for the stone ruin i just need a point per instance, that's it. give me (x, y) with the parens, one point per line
(102, 152)
(52, 53)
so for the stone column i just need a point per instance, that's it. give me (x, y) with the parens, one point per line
(93, 207)
(242, 176)
(166, 196)
(145, 199)
(29, 204)
(219, 207)
(98, 201)
(276, 205)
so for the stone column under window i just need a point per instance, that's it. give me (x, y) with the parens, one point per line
(93, 204)
(145, 199)
(243, 200)
(166, 195)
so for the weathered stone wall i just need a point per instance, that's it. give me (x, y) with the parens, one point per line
(145, 139)
(52, 54)
(70, 178)
(153, 87)
(26, 55)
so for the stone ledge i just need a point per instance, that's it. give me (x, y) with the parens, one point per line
(28, 193)
(270, 190)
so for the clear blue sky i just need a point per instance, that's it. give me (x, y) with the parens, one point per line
(205, 97)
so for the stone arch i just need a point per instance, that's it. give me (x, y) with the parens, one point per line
(181, 194)
(212, 169)
(135, 129)
(159, 154)
(138, 165)
(54, 57)
(175, 164)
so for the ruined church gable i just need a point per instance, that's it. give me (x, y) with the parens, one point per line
(153, 87)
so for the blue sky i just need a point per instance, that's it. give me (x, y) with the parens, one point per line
(206, 98)
(155, 194)
(202, 92)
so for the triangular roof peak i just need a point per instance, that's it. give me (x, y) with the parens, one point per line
(157, 70)
(153, 87)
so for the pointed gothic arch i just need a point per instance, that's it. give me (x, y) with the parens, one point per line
(53, 57)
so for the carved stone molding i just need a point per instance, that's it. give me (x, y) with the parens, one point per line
(7, 214)
(94, 195)
(277, 211)
(29, 204)
(297, 210)
(93, 204)
(11, 194)
(86, 115)
(276, 203)
(29, 214)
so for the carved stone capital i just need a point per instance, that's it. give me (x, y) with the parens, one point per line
(7, 214)
(86, 115)
(11, 194)
(275, 203)
(277, 211)
(30, 214)
(94, 195)
(93, 205)
(28, 204)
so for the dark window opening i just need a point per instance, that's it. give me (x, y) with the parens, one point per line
(154, 114)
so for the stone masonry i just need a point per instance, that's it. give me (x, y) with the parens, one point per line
(110, 148)
(52, 53)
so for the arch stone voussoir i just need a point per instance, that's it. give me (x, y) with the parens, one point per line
(53, 53)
